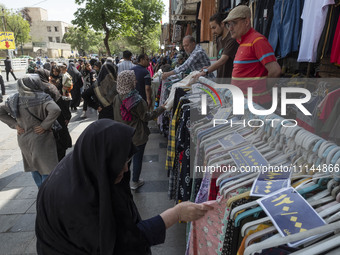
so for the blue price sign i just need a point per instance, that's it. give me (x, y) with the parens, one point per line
(288, 210)
(270, 182)
(248, 156)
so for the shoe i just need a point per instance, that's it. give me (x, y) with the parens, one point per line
(83, 116)
(136, 185)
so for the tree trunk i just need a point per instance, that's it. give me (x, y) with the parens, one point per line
(143, 49)
(106, 39)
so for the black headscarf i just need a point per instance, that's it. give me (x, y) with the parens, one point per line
(46, 86)
(79, 208)
(72, 70)
(105, 86)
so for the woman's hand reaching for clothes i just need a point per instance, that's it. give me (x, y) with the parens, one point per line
(20, 130)
(186, 211)
(39, 130)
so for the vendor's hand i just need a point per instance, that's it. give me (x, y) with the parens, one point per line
(20, 130)
(204, 67)
(39, 130)
(199, 75)
(99, 109)
(166, 75)
(188, 211)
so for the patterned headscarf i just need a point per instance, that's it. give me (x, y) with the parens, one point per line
(126, 88)
(126, 82)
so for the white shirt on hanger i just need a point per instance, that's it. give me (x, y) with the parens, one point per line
(314, 17)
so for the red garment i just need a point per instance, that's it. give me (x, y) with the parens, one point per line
(304, 125)
(189, 30)
(249, 70)
(328, 104)
(213, 190)
(335, 54)
(150, 69)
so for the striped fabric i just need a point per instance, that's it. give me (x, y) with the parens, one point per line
(124, 65)
(249, 70)
(196, 61)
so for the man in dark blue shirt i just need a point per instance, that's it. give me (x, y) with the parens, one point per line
(143, 78)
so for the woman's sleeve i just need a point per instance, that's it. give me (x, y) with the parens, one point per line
(53, 112)
(153, 230)
(5, 117)
(144, 115)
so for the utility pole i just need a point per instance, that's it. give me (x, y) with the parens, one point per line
(4, 27)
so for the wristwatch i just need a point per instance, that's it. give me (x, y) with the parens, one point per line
(205, 70)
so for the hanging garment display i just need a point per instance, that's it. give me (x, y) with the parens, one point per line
(314, 17)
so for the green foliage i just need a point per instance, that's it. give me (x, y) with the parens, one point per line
(113, 17)
(14, 22)
(84, 39)
(147, 29)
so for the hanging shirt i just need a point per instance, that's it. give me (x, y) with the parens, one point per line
(249, 70)
(314, 17)
(335, 55)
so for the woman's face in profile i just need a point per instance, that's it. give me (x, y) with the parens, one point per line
(121, 174)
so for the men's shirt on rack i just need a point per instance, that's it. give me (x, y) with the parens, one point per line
(314, 18)
(286, 18)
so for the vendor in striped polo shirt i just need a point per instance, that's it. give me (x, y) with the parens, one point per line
(254, 60)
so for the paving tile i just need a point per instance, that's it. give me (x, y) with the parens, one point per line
(23, 180)
(33, 208)
(30, 192)
(9, 193)
(32, 247)
(154, 186)
(15, 243)
(150, 158)
(25, 223)
(7, 222)
(163, 145)
(15, 206)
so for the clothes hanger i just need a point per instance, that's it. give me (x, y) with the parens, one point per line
(278, 240)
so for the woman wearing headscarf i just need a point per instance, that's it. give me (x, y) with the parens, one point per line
(86, 206)
(100, 95)
(77, 80)
(32, 113)
(62, 136)
(89, 79)
(130, 108)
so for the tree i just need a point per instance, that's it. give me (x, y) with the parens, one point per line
(84, 39)
(114, 17)
(15, 23)
(147, 27)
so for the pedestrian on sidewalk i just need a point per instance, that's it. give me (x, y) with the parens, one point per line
(3, 90)
(100, 95)
(130, 108)
(92, 210)
(62, 135)
(78, 83)
(32, 113)
(8, 68)
(89, 79)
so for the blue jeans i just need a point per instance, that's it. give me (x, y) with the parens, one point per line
(38, 178)
(137, 162)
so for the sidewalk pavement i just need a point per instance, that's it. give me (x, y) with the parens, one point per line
(18, 191)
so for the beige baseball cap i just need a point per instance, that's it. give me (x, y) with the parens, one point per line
(239, 12)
